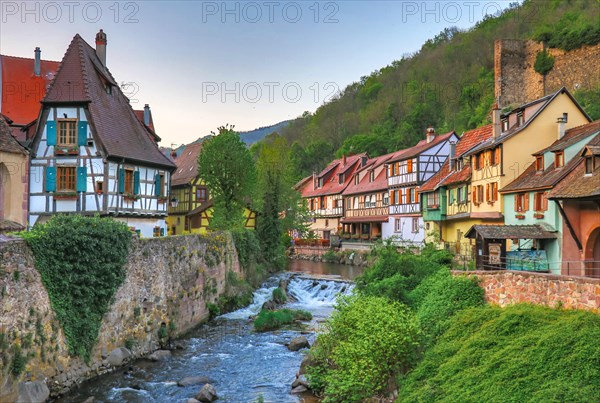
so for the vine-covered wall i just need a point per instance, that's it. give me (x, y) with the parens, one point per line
(169, 285)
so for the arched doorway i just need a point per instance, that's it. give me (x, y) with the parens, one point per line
(4, 191)
(592, 254)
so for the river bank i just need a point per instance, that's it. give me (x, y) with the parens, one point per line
(242, 364)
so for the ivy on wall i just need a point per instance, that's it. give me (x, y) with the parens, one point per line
(81, 261)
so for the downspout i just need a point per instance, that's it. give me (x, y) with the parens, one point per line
(571, 230)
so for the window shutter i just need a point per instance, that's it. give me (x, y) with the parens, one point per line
(410, 166)
(82, 133)
(544, 202)
(474, 194)
(51, 133)
(121, 180)
(81, 179)
(416, 195)
(516, 202)
(495, 187)
(487, 192)
(526, 202)
(50, 179)
(399, 196)
(497, 156)
(392, 197)
(157, 189)
(136, 182)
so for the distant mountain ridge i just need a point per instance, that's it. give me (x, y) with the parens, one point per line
(249, 137)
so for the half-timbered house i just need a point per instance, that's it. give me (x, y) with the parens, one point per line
(406, 172)
(193, 208)
(90, 154)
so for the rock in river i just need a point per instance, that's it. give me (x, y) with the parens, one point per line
(193, 380)
(207, 394)
(298, 343)
(160, 355)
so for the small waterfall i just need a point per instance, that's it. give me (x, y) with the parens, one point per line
(261, 296)
(317, 292)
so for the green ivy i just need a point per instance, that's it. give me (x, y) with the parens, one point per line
(81, 261)
(544, 63)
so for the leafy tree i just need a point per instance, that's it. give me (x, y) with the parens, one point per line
(228, 169)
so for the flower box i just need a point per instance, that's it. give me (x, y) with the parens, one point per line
(355, 236)
(131, 197)
(163, 199)
(365, 237)
(538, 215)
(520, 216)
(72, 150)
(65, 196)
(347, 236)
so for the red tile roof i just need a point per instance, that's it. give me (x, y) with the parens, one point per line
(22, 91)
(330, 174)
(7, 141)
(572, 136)
(82, 77)
(469, 140)
(420, 147)
(187, 165)
(576, 184)
(365, 185)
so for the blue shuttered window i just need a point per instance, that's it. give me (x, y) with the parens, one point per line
(50, 179)
(121, 180)
(82, 133)
(136, 183)
(81, 179)
(51, 133)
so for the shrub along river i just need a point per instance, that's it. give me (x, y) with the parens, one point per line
(241, 363)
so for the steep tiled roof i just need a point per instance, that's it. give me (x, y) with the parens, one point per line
(187, 165)
(421, 146)
(469, 139)
(331, 183)
(7, 141)
(365, 185)
(576, 184)
(573, 136)
(537, 107)
(22, 90)
(82, 78)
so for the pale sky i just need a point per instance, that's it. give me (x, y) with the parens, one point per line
(201, 64)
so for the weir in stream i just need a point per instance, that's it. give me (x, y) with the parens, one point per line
(242, 364)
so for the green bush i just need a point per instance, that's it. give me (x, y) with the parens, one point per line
(394, 275)
(440, 296)
(271, 320)
(366, 341)
(544, 63)
(81, 261)
(329, 256)
(19, 361)
(213, 310)
(521, 353)
(279, 296)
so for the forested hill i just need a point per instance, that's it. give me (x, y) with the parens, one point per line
(448, 83)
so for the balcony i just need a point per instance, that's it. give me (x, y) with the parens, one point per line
(413, 208)
(330, 212)
(402, 179)
(367, 212)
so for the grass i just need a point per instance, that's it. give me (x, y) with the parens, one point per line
(522, 353)
(272, 320)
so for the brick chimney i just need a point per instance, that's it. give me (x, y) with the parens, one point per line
(314, 177)
(101, 46)
(496, 121)
(344, 160)
(147, 115)
(430, 132)
(37, 62)
(562, 122)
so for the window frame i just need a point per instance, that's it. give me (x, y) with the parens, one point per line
(62, 179)
(539, 163)
(589, 165)
(60, 124)
(559, 159)
(129, 180)
(199, 191)
(415, 225)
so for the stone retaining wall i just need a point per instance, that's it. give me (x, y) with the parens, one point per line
(510, 287)
(169, 280)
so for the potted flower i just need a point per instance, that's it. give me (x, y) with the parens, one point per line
(520, 216)
(131, 196)
(65, 195)
(163, 199)
(365, 236)
(538, 215)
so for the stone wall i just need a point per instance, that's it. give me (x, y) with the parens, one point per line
(169, 280)
(516, 81)
(511, 287)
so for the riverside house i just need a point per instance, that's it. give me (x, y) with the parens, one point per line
(407, 171)
(90, 153)
(516, 136)
(323, 194)
(526, 202)
(366, 201)
(446, 196)
(191, 208)
(13, 181)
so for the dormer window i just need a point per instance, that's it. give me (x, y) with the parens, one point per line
(320, 183)
(459, 164)
(341, 179)
(539, 163)
(520, 119)
(589, 165)
(504, 124)
(559, 159)
(356, 179)
(371, 176)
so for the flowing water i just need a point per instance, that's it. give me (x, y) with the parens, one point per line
(242, 364)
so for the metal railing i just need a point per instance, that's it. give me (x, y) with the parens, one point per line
(580, 268)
